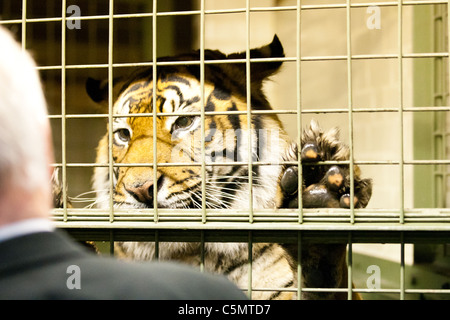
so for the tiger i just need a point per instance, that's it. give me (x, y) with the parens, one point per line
(230, 139)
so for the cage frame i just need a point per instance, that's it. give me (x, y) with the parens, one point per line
(298, 225)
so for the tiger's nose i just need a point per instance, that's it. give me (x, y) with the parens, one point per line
(143, 193)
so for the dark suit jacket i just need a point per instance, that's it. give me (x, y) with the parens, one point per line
(37, 266)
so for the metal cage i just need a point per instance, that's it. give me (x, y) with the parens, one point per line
(120, 35)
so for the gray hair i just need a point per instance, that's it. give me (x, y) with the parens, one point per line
(23, 119)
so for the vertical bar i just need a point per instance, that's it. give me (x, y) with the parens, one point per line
(349, 266)
(202, 102)
(111, 242)
(350, 111)
(110, 109)
(154, 118)
(24, 22)
(400, 102)
(299, 114)
(402, 267)
(249, 110)
(447, 102)
(156, 257)
(63, 108)
(440, 94)
(202, 250)
(448, 50)
(250, 264)
(249, 132)
(299, 265)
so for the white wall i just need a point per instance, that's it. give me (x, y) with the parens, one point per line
(375, 83)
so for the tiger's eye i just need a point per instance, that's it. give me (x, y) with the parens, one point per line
(123, 134)
(183, 122)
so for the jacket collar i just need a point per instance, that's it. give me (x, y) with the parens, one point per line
(24, 227)
(33, 249)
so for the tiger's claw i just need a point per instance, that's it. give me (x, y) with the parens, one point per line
(310, 152)
(334, 178)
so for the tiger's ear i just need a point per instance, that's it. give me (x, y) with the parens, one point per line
(261, 70)
(97, 90)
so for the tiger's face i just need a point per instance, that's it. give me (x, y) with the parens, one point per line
(178, 142)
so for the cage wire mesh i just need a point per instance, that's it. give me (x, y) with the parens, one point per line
(377, 70)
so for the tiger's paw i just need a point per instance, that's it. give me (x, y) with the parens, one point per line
(310, 153)
(323, 185)
(334, 178)
(333, 191)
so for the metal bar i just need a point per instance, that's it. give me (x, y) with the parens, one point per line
(154, 118)
(349, 268)
(110, 109)
(277, 215)
(255, 112)
(250, 153)
(380, 213)
(299, 266)
(438, 291)
(63, 109)
(402, 267)
(202, 103)
(350, 110)
(337, 290)
(446, 100)
(448, 52)
(280, 223)
(257, 163)
(167, 234)
(156, 245)
(438, 145)
(235, 10)
(400, 102)
(252, 60)
(202, 251)
(250, 264)
(249, 111)
(24, 24)
(111, 242)
(299, 117)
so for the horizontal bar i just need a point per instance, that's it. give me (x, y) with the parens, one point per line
(253, 60)
(121, 232)
(439, 291)
(257, 163)
(231, 213)
(412, 216)
(275, 222)
(266, 112)
(222, 11)
(359, 290)
(193, 164)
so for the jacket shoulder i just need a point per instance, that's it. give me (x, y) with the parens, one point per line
(52, 266)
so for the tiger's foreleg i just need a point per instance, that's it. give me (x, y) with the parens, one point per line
(323, 186)
(323, 265)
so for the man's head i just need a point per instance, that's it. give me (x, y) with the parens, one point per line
(25, 148)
